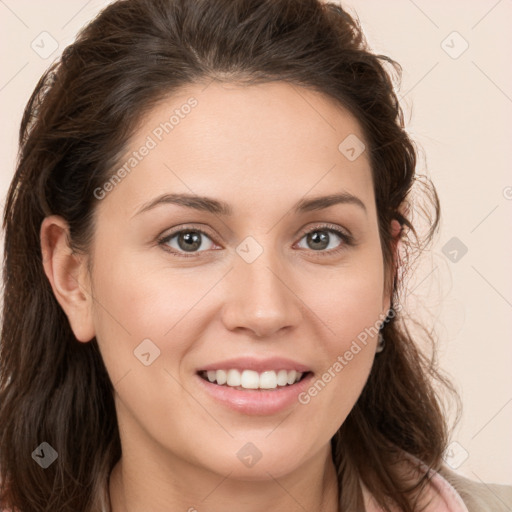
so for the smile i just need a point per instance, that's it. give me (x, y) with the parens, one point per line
(250, 379)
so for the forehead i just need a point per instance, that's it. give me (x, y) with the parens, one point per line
(238, 142)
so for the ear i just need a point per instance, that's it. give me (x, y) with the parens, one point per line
(396, 231)
(68, 276)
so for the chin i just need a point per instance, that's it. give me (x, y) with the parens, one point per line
(259, 460)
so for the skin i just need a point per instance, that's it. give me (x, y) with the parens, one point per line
(260, 148)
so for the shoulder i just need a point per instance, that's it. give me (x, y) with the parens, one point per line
(447, 491)
(479, 496)
(459, 493)
(435, 495)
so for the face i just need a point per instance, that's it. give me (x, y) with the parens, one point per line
(266, 287)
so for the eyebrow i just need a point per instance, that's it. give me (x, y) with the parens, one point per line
(218, 207)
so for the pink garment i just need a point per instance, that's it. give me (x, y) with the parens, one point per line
(441, 496)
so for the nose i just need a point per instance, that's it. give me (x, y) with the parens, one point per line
(261, 297)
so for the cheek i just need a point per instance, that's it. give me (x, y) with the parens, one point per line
(350, 312)
(348, 300)
(134, 302)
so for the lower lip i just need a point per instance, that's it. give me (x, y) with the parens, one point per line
(255, 401)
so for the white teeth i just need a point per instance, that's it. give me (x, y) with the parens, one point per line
(250, 379)
(282, 378)
(291, 376)
(222, 377)
(234, 378)
(268, 380)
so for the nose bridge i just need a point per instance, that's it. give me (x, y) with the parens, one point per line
(261, 297)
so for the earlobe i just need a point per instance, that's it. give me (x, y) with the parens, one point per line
(67, 273)
(396, 228)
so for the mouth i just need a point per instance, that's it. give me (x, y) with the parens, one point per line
(257, 390)
(250, 380)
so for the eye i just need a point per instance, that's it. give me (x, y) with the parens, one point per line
(187, 240)
(319, 239)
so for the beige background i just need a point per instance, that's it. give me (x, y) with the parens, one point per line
(458, 108)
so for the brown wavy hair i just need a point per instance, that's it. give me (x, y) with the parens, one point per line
(76, 125)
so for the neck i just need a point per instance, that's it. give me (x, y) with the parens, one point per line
(134, 486)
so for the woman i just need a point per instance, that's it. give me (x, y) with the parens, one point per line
(205, 242)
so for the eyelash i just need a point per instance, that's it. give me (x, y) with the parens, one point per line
(347, 239)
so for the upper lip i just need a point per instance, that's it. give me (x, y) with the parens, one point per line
(258, 365)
